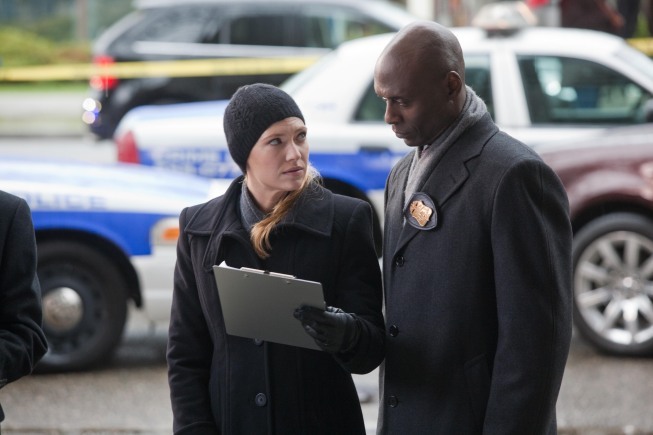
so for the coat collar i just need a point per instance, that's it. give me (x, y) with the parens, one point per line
(450, 173)
(219, 218)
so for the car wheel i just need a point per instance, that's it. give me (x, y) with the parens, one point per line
(613, 283)
(84, 305)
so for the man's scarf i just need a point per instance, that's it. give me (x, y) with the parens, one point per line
(426, 158)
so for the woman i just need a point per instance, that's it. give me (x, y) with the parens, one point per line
(278, 218)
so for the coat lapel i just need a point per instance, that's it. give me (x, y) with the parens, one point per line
(219, 219)
(394, 200)
(216, 219)
(449, 175)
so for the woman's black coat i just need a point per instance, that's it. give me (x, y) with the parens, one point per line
(231, 385)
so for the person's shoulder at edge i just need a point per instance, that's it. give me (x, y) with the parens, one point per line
(8, 198)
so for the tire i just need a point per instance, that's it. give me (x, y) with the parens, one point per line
(613, 284)
(84, 305)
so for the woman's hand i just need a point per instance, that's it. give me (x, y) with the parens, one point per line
(333, 330)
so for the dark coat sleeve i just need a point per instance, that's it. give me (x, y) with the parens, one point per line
(22, 342)
(531, 238)
(189, 351)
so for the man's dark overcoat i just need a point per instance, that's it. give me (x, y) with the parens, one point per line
(478, 309)
(230, 385)
(22, 342)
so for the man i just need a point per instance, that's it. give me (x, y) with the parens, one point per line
(22, 342)
(629, 10)
(591, 14)
(476, 258)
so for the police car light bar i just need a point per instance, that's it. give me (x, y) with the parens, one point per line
(504, 17)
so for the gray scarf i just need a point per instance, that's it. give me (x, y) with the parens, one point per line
(250, 214)
(426, 158)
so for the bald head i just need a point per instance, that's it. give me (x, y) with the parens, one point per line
(429, 45)
(421, 76)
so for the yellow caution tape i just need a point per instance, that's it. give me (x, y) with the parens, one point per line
(188, 68)
(175, 68)
(645, 45)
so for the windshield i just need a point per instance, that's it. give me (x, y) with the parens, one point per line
(295, 82)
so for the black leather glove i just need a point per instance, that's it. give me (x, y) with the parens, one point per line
(332, 329)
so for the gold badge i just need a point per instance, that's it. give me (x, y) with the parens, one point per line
(420, 212)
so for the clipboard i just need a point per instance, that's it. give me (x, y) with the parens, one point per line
(258, 304)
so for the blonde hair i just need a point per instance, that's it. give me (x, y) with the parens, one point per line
(260, 233)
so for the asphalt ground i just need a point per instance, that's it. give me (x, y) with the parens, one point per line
(41, 114)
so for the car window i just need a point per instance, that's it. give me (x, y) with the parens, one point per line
(477, 76)
(268, 29)
(329, 29)
(316, 32)
(313, 26)
(288, 29)
(297, 81)
(328, 26)
(181, 24)
(371, 107)
(561, 90)
(359, 27)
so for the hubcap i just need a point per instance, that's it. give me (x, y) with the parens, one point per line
(63, 309)
(614, 287)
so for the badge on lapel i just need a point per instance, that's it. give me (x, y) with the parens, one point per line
(421, 212)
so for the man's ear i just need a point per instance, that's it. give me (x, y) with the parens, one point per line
(454, 83)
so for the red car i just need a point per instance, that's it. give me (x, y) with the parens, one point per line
(609, 181)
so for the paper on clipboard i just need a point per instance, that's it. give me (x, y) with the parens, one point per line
(258, 304)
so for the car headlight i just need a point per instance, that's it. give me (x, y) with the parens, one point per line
(165, 232)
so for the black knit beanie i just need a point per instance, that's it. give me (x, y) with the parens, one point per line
(251, 110)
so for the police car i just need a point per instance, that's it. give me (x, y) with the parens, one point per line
(106, 237)
(540, 85)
